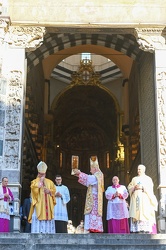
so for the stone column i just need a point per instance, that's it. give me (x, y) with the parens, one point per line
(125, 127)
(154, 41)
(160, 60)
(13, 45)
(46, 96)
(126, 102)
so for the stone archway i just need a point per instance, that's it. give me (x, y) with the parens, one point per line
(38, 64)
(57, 45)
(77, 105)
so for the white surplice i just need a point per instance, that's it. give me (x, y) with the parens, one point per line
(60, 209)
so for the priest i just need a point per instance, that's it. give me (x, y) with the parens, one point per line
(43, 201)
(94, 198)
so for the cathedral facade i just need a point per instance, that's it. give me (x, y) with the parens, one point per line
(78, 80)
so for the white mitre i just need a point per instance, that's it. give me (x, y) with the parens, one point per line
(42, 167)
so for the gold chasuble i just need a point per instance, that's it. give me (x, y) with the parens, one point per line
(42, 202)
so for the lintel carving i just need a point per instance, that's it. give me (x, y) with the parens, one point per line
(4, 26)
(29, 38)
(150, 39)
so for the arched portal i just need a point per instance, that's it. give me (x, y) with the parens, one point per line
(32, 46)
(85, 123)
(55, 42)
(81, 119)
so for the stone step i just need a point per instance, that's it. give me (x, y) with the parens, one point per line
(23, 241)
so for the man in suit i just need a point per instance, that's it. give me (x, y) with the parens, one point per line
(25, 211)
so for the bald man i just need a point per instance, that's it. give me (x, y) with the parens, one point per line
(143, 203)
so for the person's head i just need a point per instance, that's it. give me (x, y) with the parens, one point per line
(81, 222)
(115, 180)
(70, 222)
(58, 179)
(42, 168)
(94, 165)
(41, 175)
(4, 181)
(141, 169)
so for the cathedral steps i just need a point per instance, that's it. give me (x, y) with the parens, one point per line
(23, 241)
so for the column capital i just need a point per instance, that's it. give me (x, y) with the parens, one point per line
(28, 37)
(150, 39)
(4, 26)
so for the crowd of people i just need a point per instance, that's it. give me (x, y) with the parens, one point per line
(45, 210)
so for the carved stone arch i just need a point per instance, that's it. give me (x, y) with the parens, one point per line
(53, 43)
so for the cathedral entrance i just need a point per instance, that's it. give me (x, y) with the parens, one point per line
(115, 108)
(84, 123)
(78, 109)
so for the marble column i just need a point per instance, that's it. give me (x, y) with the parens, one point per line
(160, 67)
(14, 42)
(153, 40)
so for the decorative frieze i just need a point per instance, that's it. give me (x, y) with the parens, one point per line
(29, 38)
(11, 154)
(11, 96)
(3, 86)
(13, 105)
(4, 26)
(161, 93)
(161, 108)
(150, 39)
